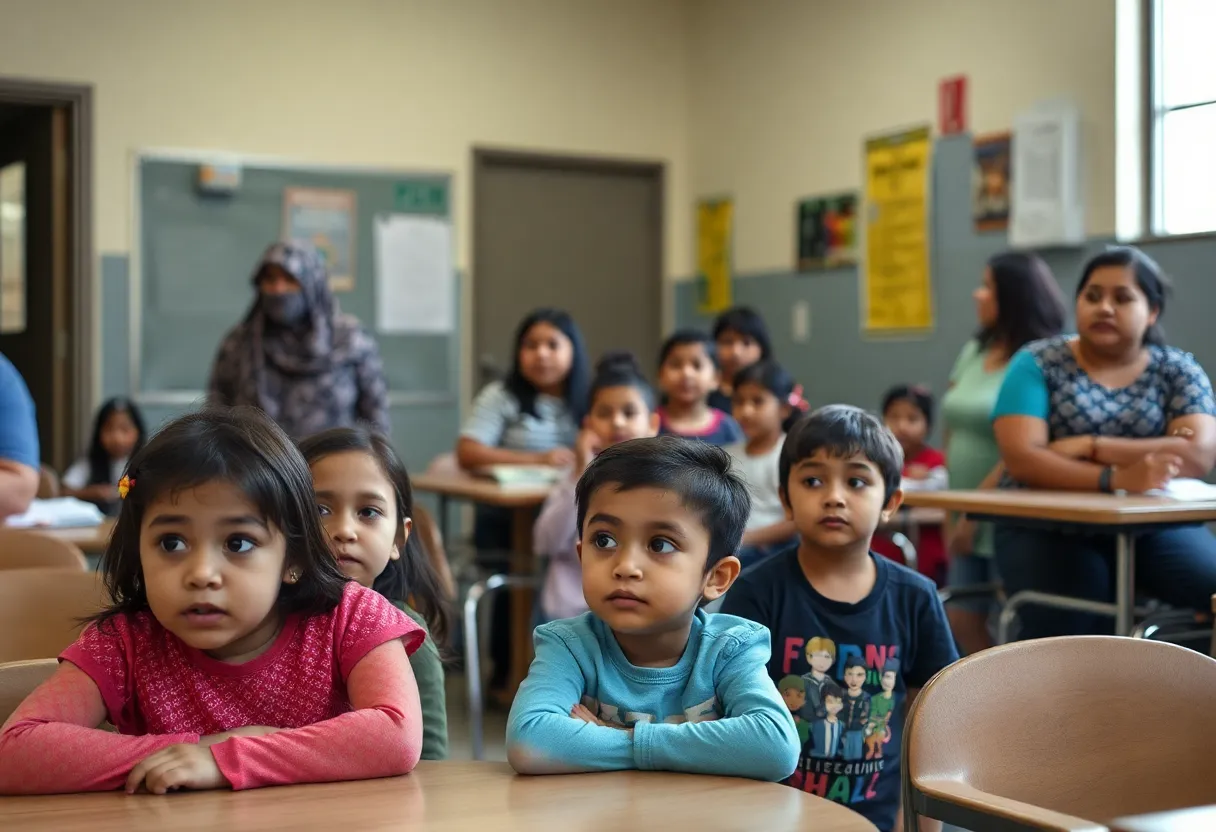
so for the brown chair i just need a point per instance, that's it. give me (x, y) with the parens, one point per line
(48, 483)
(432, 543)
(1062, 734)
(1213, 650)
(29, 549)
(41, 610)
(18, 680)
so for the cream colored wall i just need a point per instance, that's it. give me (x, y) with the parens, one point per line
(783, 92)
(390, 83)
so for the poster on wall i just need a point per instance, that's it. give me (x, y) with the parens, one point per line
(897, 298)
(1048, 207)
(325, 218)
(991, 178)
(715, 224)
(827, 232)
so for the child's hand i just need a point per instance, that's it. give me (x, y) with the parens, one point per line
(916, 472)
(558, 458)
(586, 447)
(582, 712)
(244, 731)
(184, 766)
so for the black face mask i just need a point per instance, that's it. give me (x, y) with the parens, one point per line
(285, 310)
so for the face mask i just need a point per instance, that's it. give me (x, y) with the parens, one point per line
(285, 309)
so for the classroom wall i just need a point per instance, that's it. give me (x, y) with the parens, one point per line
(783, 92)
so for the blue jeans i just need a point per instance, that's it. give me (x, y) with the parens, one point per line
(1175, 564)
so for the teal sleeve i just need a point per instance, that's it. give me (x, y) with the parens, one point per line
(1024, 390)
(542, 737)
(432, 693)
(754, 738)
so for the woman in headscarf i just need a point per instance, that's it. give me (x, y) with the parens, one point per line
(296, 355)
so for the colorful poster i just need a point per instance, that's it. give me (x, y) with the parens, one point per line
(325, 218)
(715, 224)
(896, 294)
(990, 181)
(827, 232)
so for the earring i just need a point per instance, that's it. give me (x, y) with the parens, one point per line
(293, 576)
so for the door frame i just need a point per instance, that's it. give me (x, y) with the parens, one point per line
(79, 351)
(487, 157)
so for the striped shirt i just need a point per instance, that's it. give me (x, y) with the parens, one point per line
(496, 421)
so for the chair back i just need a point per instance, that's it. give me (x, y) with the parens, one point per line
(29, 549)
(41, 610)
(1091, 727)
(432, 543)
(48, 483)
(18, 680)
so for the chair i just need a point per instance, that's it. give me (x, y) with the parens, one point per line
(28, 549)
(48, 483)
(1061, 734)
(18, 680)
(432, 543)
(41, 610)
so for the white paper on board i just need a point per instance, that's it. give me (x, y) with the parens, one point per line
(1048, 206)
(415, 280)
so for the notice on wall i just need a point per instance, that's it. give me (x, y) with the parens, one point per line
(826, 232)
(325, 218)
(1048, 207)
(715, 230)
(896, 295)
(415, 275)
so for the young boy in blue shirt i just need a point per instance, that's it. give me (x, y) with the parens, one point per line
(646, 679)
(881, 625)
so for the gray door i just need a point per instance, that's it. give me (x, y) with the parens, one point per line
(584, 235)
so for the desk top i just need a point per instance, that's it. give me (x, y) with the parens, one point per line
(1198, 819)
(1067, 506)
(465, 486)
(453, 797)
(92, 540)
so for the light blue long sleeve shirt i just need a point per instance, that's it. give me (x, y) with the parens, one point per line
(714, 712)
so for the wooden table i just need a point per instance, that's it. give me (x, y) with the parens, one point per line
(1197, 819)
(92, 540)
(1124, 516)
(452, 797)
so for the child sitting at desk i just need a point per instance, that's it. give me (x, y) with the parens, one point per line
(646, 680)
(118, 432)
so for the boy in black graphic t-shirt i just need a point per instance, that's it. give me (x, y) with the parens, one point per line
(887, 630)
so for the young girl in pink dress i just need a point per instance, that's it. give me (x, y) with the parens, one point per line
(233, 654)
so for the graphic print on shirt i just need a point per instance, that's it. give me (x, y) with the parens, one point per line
(706, 711)
(843, 706)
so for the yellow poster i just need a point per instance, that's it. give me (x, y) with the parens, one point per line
(896, 294)
(715, 223)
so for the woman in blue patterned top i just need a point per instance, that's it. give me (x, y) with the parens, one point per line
(1109, 409)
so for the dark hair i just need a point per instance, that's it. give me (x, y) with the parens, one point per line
(919, 396)
(410, 576)
(700, 473)
(577, 380)
(1149, 277)
(830, 688)
(620, 368)
(100, 464)
(745, 321)
(843, 430)
(1029, 303)
(688, 336)
(856, 661)
(768, 374)
(244, 447)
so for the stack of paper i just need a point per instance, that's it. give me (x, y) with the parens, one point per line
(60, 513)
(522, 476)
(1187, 490)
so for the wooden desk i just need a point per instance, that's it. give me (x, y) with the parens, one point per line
(523, 502)
(92, 540)
(1197, 819)
(452, 797)
(1120, 515)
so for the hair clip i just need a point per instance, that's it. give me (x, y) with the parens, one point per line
(796, 401)
(124, 486)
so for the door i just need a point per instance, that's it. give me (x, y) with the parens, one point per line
(584, 235)
(34, 299)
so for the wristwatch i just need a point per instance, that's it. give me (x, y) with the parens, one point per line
(1104, 480)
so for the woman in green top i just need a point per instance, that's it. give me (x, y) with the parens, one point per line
(365, 499)
(1018, 301)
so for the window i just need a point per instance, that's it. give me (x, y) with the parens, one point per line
(1182, 94)
(12, 248)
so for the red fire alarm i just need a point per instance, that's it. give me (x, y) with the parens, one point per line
(952, 105)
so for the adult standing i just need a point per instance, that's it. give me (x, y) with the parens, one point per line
(19, 457)
(1109, 409)
(296, 355)
(1018, 301)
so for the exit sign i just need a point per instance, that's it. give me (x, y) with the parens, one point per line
(421, 198)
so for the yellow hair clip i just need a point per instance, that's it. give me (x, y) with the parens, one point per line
(124, 486)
